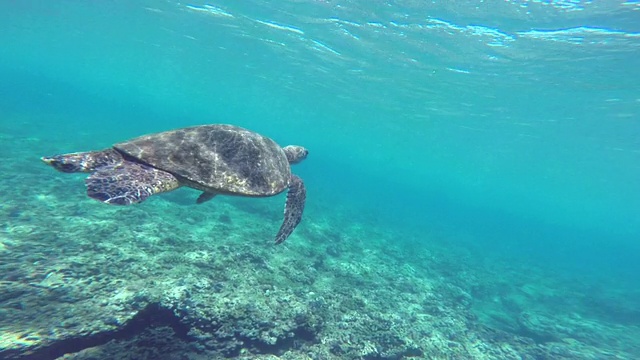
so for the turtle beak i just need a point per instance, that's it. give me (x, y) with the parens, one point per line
(47, 160)
(59, 163)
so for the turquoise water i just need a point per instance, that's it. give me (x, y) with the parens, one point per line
(509, 129)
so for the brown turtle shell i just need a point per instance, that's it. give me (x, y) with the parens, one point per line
(219, 158)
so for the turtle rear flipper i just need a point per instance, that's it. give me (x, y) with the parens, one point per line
(128, 183)
(293, 209)
(205, 196)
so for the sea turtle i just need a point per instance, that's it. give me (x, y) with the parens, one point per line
(216, 159)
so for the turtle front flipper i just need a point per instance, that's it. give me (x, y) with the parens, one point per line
(83, 161)
(128, 183)
(293, 209)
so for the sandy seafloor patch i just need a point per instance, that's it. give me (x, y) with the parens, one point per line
(171, 280)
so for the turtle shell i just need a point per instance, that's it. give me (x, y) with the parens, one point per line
(221, 158)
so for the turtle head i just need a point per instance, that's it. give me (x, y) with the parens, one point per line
(67, 163)
(295, 153)
(83, 161)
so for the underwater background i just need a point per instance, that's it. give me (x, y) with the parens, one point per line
(472, 182)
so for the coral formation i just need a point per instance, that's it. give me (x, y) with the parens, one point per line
(171, 280)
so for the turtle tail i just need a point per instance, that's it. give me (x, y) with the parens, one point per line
(293, 209)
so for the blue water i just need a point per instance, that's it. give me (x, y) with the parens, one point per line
(508, 127)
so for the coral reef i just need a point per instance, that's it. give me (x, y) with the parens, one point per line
(172, 280)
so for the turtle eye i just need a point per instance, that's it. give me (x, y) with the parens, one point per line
(66, 167)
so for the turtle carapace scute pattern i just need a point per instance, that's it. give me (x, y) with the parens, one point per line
(217, 159)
